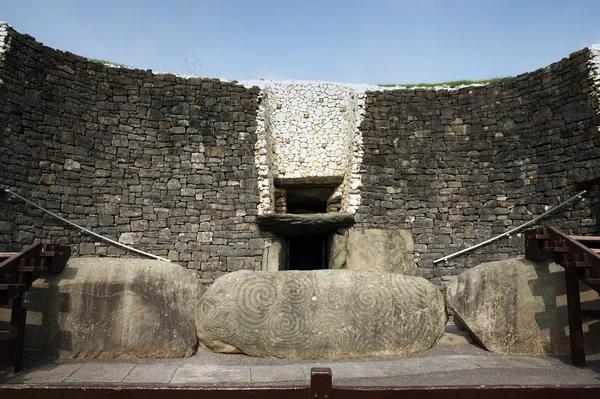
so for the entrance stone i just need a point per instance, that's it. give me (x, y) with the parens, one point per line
(320, 314)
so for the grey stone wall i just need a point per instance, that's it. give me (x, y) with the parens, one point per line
(162, 163)
(171, 165)
(456, 167)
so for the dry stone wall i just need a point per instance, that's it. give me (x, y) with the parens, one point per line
(182, 167)
(159, 162)
(456, 167)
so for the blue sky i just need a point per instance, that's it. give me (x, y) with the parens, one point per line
(375, 41)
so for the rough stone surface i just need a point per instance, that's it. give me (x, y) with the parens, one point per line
(181, 167)
(338, 250)
(455, 167)
(156, 161)
(275, 255)
(105, 307)
(323, 314)
(379, 251)
(306, 130)
(517, 306)
(299, 224)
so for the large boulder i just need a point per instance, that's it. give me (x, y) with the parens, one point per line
(106, 307)
(517, 306)
(377, 250)
(320, 314)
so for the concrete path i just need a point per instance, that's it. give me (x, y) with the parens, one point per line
(454, 361)
(478, 369)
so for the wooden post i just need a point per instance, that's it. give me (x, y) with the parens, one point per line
(320, 383)
(532, 246)
(14, 355)
(575, 319)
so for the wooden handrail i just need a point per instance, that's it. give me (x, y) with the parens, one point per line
(588, 183)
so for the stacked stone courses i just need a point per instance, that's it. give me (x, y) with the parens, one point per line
(310, 130)
(158, 162)
(182, 167)
(456, 167)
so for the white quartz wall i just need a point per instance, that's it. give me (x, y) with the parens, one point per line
(264, 159)
(594, 68)
(309, 129)
(352, 179)
(4, 39)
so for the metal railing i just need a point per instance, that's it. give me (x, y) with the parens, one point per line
(127, 247)
(512, 231)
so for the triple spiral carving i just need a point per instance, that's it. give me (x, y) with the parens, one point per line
(321, 313)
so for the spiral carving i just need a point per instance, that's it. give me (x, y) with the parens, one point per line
(371, 300)
(328, 337)
(287, 327)
(256, 296)
(327, 314)
(296, 287)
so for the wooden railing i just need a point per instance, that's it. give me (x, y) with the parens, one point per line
(581, 263)
(18, 271)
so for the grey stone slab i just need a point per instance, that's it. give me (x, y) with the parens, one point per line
(528, 362)
(425, 365)
(348, 369)
(50, 373)
(455, 339)
(151, 373)
(210, 374)
(488, 362)
(101, 372)
(277, 373)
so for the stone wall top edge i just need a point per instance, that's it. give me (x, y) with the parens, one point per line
(257, 85)
(31, 42)
(525, 75)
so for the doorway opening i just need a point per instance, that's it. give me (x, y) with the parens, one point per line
(308, 200)
(307, 252)
(308, 195)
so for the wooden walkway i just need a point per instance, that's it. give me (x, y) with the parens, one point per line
(18, 271)
(580, 257)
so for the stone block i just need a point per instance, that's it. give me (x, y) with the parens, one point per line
(380, 250)
(515, 306)
(320, 314)
(101, 307)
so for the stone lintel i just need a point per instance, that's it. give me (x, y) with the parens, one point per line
(288, 224)
(317, 181)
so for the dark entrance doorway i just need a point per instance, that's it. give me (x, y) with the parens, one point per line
(307, 252)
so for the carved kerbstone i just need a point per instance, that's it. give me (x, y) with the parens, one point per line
(321, 314)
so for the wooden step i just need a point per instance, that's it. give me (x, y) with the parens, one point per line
(12, 286)
(590, 281)
(586, 238)
(590, 314)
(8, 335)
(31, 269)
(556, 249)
(582, 264)
(6, 255)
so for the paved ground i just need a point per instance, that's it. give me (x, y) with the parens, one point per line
(452, 362)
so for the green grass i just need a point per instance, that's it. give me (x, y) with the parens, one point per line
(105, 62)
(454, 83)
